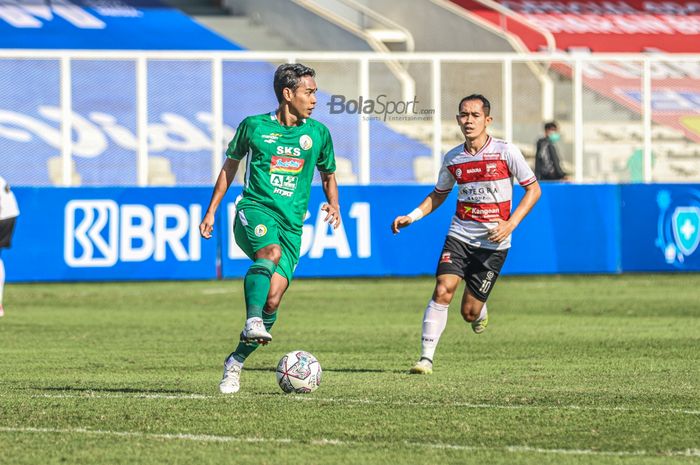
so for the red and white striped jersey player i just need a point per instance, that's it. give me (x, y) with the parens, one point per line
(478, 240)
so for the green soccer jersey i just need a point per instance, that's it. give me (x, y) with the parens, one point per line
(280, 164)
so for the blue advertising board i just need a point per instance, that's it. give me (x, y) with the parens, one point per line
(573, 229)
(660, 227)
(363, 245)
(106, 234)
(95, 234)
(117, 24)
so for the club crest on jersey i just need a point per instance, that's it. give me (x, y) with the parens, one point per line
(458, 173)
(305, 142)
(260, 230)
(446, 257)
(286, 165)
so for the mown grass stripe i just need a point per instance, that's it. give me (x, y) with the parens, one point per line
(340, 443)
(98, 395)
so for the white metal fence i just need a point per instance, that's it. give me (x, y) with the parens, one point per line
(163, 118)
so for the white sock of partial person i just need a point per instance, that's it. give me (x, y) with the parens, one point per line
(2, 279)
(483, 313)
(434, 322)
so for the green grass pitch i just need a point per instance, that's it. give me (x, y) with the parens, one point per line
(572, 370)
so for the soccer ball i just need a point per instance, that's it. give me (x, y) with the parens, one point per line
(299, 372)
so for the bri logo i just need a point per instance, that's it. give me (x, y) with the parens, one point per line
(99, 233)
(678, 227)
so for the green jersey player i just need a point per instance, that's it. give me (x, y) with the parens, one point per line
(281, 149)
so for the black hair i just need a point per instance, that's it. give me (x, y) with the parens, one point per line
(289, 76)
(485, 102)
(550, 125)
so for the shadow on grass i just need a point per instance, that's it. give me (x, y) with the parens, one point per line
(336, 370)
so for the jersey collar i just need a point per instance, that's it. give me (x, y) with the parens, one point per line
(466, 152)
(273, 117)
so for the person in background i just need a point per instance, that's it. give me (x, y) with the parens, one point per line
(9, 211)
(547, 163)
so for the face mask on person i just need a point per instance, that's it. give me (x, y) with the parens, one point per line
(554, 137)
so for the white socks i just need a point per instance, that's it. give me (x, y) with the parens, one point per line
(2, 279)
(483, 313)
(434, 322)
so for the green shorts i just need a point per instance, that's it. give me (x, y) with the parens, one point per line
(254, 229)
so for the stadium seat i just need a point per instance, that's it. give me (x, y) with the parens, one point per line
(159, 172)
(423, 170)
(344, 172)
(55, 168)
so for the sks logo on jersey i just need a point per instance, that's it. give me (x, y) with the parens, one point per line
(100, 233)
(285, 165)
(491, 156)
(288, 151)
(678, 227)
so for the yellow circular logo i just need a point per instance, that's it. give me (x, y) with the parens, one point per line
(305, 142)
(260, 230)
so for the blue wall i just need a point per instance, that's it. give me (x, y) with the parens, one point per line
(123, 25)
(93, 234)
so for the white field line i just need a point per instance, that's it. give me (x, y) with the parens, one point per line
(124, 395)
(312, 398)
(337, 442)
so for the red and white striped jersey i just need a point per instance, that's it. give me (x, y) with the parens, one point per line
(485, 189)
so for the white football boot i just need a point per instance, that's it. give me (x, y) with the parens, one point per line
(254, 331)
(422, 367)
(231, 382)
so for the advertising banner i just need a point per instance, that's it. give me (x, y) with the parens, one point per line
(110, 234)
(573, 229)
(660, 227)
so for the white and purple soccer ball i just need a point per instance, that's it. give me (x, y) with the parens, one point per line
(299, 372)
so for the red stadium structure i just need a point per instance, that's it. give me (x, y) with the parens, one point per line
(631, 26)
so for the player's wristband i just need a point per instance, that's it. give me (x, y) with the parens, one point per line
(415, 215)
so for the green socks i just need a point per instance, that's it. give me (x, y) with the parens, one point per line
(244, 350)
(257, 286)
